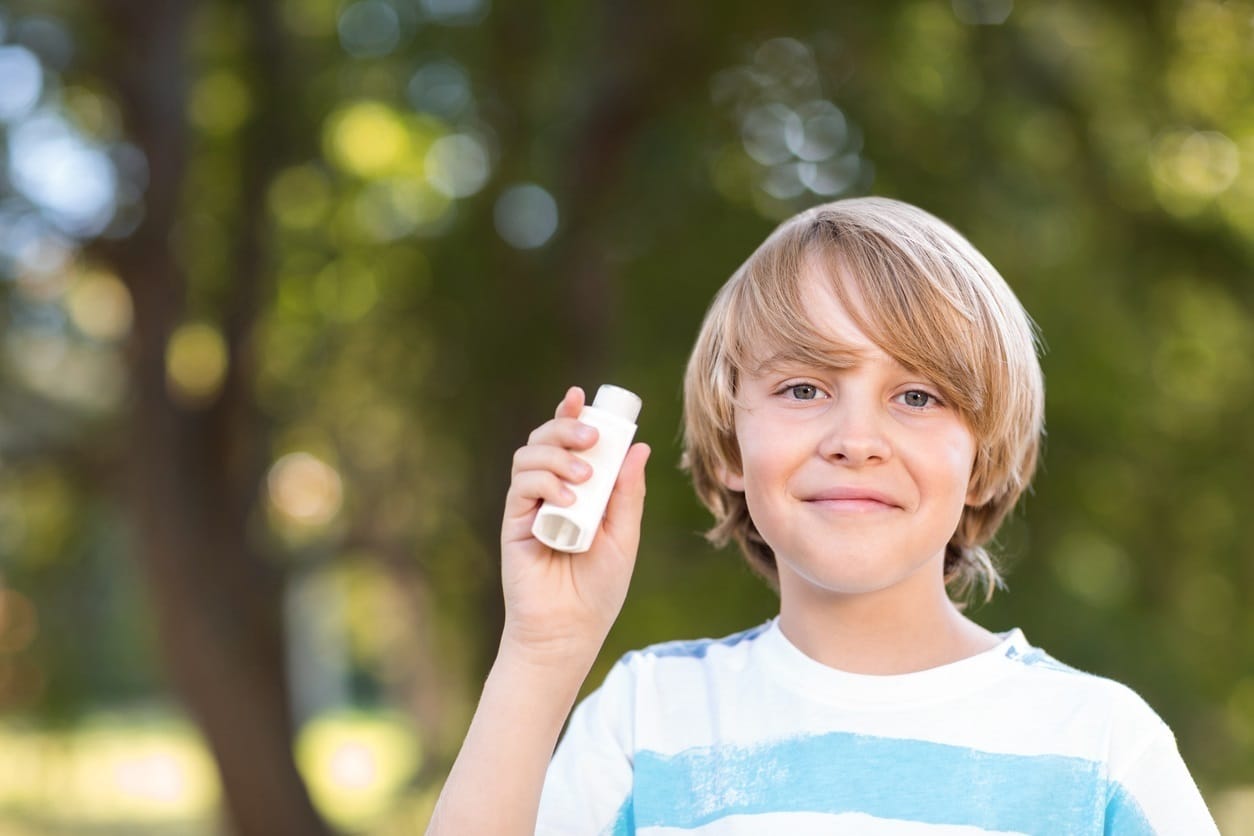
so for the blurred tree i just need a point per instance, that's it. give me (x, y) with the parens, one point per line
(302, 275)
(197, 446)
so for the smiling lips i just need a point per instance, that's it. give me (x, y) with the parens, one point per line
(853, 499)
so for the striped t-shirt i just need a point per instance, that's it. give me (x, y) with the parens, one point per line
(748, 735)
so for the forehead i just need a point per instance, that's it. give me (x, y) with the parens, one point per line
(824, 308)
(823, 331)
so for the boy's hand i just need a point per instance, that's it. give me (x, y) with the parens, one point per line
(558, 606)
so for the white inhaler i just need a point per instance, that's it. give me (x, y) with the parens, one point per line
(572, 529)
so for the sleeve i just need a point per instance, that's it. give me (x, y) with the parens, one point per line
(587, 788)
(1156, 795)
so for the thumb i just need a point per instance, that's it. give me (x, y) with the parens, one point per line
(626, 505)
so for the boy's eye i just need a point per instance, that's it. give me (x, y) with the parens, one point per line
(917, 398)
(804, 391)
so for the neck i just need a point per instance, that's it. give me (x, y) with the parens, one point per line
(885, 632)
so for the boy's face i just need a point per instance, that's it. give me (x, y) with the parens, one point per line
(855, 476)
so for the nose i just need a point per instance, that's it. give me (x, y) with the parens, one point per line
(855, 434)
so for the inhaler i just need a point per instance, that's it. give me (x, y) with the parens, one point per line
(572, 528)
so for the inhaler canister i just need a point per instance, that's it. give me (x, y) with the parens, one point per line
(572, 529)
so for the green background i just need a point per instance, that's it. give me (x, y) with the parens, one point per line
(256, 417)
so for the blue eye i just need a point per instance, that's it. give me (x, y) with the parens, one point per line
(804, 391)
(917, 398)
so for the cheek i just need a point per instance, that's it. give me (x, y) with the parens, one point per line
(760, 456)
(760, 450)
(959, 460)
(734, 480)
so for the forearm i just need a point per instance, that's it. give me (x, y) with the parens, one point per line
(495, 783)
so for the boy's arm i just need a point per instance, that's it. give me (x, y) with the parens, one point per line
(558, 610)
(494, 786)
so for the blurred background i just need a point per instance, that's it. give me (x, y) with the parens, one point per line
(283, 283)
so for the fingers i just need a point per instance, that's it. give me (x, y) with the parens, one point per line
(546, 462)
(567, 432)
(571, 403)
(553, 459)
(533, 486)
(626, 507)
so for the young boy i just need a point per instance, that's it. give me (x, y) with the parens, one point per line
(863, 407)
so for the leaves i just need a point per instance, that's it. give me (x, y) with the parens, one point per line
(410, 323)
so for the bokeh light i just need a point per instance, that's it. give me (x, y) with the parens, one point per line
(1191, 167)
(389, 209)
(43, 263)
(196, 363)
(368, 139)
(765, 132)
(356, 763)
(369, 28)
(817, 131)
(67, 371)
(794, 142)
(72, 180)
(304, 489)
(526, 216)
(134, 768)
(21, 82)
(440, 87)
(457, 165)
(100, 306)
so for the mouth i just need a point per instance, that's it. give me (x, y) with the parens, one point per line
(853, 499)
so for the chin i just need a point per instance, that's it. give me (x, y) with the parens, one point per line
(856, 577)
(846, 584)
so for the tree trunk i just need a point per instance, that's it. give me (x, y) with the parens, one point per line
(194, 472)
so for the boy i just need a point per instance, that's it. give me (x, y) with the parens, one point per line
(863, 407)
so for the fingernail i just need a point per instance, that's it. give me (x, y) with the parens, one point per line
(585, 433)
(581, 469)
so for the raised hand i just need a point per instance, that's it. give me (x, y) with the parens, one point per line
(558, 606)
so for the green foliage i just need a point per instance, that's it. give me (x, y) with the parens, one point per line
(1101, 155)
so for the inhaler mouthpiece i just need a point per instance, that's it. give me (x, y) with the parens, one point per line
(572, 528)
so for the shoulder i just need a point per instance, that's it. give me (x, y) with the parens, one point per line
(729, 651)
(679, 664)
(1149, 788)
(1045, 671)
(1104, 708)
(701, 648)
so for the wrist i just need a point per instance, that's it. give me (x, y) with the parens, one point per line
(549, 655)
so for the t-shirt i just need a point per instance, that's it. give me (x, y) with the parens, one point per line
(748, 735)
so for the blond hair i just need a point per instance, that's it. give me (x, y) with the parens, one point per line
(925, 296)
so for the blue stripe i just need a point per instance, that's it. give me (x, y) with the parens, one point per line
(624, 822)
(699, 648)
(891, 778)
(1035, 657)
(1124, 817)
